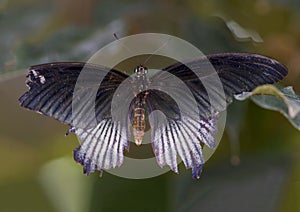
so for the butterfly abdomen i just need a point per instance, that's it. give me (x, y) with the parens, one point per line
(139, 124)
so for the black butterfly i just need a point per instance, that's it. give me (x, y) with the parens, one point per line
(52, 86)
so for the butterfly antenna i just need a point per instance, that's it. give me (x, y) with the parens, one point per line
(128, 49)
(163, 45)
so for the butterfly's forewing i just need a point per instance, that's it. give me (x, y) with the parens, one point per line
(51, 88)
(51, 92)
(237, 72)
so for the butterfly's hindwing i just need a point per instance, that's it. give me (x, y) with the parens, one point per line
(102, 147)
(175, 133)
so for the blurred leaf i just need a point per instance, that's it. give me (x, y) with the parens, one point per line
(283, 100)
(236, 116)
(254, 185)
(67, 188)
(69, 43)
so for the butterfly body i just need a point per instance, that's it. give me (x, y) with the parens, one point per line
(140, 83)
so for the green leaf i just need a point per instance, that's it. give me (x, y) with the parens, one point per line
(65, 186)
(272, 97)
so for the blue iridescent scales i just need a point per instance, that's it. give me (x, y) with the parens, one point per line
(51, 89)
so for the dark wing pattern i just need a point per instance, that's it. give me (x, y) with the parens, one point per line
(51, 89)
(237, 72)
(182, 133)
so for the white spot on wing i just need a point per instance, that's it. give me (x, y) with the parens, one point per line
(35, 74)
(42, 79)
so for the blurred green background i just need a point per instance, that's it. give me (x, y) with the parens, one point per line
(255, 168)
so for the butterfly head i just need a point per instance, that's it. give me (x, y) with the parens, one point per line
(140, 70)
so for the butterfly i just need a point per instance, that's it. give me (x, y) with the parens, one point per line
(184, 127)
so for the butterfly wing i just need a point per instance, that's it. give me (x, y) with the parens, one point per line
(53, 89)
(236, 72)
(174, 132)
(180, 132)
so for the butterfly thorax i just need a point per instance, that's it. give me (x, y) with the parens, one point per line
(140, 80)
(140, 83)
